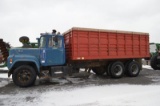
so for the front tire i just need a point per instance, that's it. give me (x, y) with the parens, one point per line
(24, 76)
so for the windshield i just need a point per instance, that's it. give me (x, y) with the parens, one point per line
(153, 48)
(42, 42)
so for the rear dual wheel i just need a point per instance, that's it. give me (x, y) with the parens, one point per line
(116, 69)
(133, 69)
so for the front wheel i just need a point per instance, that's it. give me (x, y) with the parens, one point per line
(24, 76)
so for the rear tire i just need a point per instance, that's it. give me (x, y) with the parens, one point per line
(126, 67)
(24, 76)
(133, 69)
(109, 68)
(117, 69)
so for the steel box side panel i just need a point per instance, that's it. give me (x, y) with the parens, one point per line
(88, 45)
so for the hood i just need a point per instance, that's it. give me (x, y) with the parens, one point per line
(25, 51)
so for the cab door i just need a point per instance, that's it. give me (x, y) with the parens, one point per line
(55, 53)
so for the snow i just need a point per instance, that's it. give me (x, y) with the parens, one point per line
(4, 79)
(3, 83)
(108, 95)
(3, 75)
(147, 67)
(113, 95)
(5, 68)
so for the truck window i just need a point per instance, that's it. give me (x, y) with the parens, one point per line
(42, 42)
(55, 42)
(59, 43)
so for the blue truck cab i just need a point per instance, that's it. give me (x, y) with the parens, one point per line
(52, 50)
(26, 63)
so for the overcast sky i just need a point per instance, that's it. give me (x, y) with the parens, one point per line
(32, 17)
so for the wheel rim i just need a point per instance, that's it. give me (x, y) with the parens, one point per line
(118, 70)
(24, 76)
(134, 69)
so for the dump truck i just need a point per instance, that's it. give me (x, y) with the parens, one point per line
(110, 52)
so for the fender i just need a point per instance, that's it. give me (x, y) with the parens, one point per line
(13, 59)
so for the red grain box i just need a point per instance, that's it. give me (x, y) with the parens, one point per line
(99, 44)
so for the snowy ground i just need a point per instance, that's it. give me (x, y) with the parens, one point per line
(3, 83)
(112, 95)
(3, 76)
(89, 95)
(147, 67)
